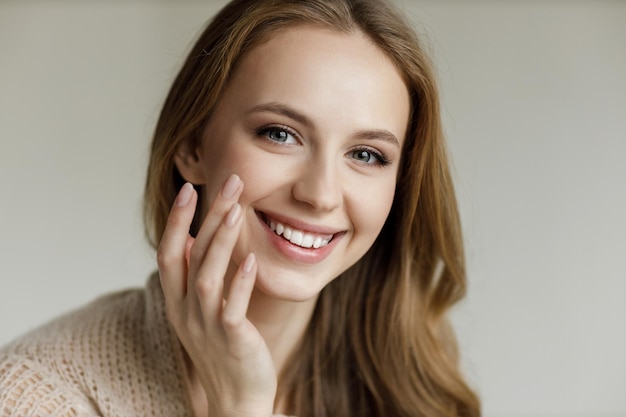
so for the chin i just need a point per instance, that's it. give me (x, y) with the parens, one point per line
(289, 285)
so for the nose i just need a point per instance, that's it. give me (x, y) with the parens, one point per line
(319, 185)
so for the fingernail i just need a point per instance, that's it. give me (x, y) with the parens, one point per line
(184, 195)
(231, 186)
(249, 263)
(233, 215)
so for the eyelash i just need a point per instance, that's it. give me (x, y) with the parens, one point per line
(264, 131)
(381, 159)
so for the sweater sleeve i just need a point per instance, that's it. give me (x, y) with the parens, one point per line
(26, 389)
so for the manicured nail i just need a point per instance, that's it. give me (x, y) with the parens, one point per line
(184, 195)
(233, 215)
(249, 263)
(231, 186)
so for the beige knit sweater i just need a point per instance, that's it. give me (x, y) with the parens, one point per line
(117, 356)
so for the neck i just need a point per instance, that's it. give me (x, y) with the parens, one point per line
(281, 323)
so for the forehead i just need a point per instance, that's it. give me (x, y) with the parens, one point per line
(325, 73)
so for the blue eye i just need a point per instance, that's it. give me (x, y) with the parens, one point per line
(369, 157)
(278, 134)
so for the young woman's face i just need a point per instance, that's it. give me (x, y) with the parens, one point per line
(313, 122)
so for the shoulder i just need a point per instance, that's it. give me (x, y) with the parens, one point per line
(73, 335)
(115, 353)
(28, 389)
(48, 370)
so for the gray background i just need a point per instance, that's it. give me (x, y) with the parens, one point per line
(535, 111)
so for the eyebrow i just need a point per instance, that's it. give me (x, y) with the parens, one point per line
(284, 110)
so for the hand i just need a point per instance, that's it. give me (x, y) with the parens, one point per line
(230, 356)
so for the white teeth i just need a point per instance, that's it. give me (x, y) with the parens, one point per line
(298, 237)
(307, 241)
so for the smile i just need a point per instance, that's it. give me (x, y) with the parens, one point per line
(298, 237)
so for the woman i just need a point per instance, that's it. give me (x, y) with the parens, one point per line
(307, 231)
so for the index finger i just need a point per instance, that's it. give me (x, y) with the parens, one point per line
(171, 255)
(220, 207)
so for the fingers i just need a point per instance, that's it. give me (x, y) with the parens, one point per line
(193, 270)
(234, 313)
(209, 280)
(171, 253)
(177, 248)
(222, 204)
(211, 252)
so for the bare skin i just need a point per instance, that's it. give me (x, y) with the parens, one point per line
(198, 311)
(239, 295)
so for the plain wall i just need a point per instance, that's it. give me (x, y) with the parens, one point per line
(534, 102)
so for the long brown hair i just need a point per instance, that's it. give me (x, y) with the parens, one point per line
(379, 343)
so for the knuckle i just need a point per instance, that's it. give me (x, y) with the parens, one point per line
(205, 287)
(163, 259)
(230, 321)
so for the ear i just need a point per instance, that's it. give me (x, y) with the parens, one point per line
(188, 161)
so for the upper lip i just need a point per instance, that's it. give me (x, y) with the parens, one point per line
(299, 224)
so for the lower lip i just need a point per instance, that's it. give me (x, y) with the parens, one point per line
(298, 253)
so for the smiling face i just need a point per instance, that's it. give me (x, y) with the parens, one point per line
(313, 121)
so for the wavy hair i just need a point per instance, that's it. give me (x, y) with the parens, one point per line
(379, 343)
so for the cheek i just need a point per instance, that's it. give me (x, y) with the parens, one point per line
(382, 209)
(230, 158)
(262, 173)
(371, 210)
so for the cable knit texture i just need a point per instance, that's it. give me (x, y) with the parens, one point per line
(117, 356)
